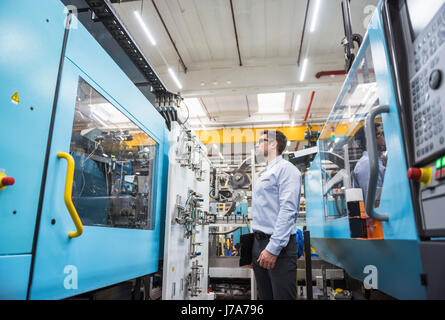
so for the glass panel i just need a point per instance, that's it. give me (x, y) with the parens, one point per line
(113, 177)
(342, 143)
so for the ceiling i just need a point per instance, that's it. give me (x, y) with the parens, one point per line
(227, 83)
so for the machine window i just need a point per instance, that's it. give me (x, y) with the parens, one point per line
(113, 177)
(342, 143)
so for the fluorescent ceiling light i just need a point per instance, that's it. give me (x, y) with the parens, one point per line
(297, 102)
(195, 108)
(271, 102)
(315, 15)
(108, 113)
(303, 69)
(144, 27)
(98, 119)
(175, 78)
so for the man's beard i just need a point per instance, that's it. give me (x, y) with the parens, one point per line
(261, 156)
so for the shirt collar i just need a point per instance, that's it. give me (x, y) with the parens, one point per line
(273, 162)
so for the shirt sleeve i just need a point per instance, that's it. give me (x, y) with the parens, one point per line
(289, 188)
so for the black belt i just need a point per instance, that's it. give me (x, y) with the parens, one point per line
(264, 236)
(261, 235)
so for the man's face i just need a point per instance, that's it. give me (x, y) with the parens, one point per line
(264, 146)
(380, 137)
(261, 148)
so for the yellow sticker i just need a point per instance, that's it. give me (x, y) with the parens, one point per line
(173, 269)
(15, 98)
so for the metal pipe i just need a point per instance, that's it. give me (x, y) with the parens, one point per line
(308, 260)
(248, 107)
(302, 34)
(224, 233)
(236, 34)
(347, 177)
(171, 39)
(371, 146)
(306, 115)
(205, 107)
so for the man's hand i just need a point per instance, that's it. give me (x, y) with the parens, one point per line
(267, 260)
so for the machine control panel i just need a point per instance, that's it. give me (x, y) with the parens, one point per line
(427, 88)
(432, 182)
(423, 32)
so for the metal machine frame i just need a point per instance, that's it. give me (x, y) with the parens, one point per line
(396, 255)
(39, 265)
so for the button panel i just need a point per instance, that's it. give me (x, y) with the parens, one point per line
(427, 89)
(439, 167)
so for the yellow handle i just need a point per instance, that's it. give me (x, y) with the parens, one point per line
(68, 192)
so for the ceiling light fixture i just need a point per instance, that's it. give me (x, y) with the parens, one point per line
(315, 16)
(297, 102)
(175, 78)
(144, 27)
(303, 69)
(271, 102)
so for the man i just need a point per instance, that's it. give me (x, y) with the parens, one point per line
(360, 176)
(275, 205)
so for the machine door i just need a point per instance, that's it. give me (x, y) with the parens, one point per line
(343, 141)
(97, 224)
(28, 76)
(360, 154)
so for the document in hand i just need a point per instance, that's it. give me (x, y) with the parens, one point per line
(246, 244)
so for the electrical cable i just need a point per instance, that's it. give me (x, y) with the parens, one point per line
(188, 115)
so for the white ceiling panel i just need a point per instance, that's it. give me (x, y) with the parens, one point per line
(269, 33)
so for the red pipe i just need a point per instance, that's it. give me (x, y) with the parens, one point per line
(338, 72)
(306, 115)
(309, 107)
(329, 73)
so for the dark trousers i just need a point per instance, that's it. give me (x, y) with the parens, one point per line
(279, 283)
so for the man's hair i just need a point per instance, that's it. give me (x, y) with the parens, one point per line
(278, 136)
(360, 136)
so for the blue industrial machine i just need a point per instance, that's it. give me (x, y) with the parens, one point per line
(88, 154)
(374, 192)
